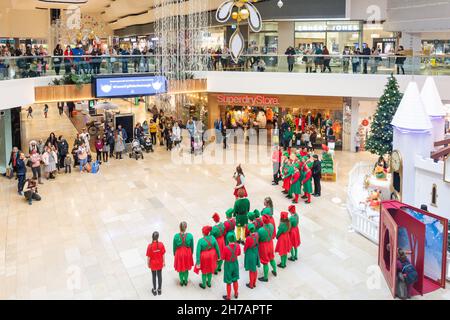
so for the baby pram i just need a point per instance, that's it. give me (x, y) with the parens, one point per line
(147, 143)
(197, 145)
(136, 150)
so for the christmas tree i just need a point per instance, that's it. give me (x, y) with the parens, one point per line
(381, 133)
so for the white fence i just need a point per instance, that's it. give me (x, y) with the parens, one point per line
(361, 222)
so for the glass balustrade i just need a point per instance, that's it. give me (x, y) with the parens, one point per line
(39, 66)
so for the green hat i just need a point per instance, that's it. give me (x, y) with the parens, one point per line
(305, 158)
(252, 215)
(286, 154)
(257, 213)
(231, 237)
(229, 213)
(251, 227)
(299, 156)
(309, 164)
(296, 165)
(266, 211)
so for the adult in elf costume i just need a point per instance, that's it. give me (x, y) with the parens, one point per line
(265, 248)
(218, 232)
(231, 267)
(284, 241)
(296, 187)
(294, 233)
(230, 223)
(255, 219)
(251, 261)
(183, 247)
(207, 255)
(307, 181)
(241, 209)
(268, 211)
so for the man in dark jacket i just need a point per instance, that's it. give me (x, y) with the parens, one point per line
(21, 173)
(290, 52)
(366, 52)
(63, 150)
(317, 175)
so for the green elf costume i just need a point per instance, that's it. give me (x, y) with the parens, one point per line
(294, 233)
(241, 209)
(296, 187)
(207, 255)
(183, 247)
(218, 232)
(229, 224)
(265, 248)
(254, 218)
(267, 211)
(290, 173)
(252, 262)
(307, 181)
(231, 267)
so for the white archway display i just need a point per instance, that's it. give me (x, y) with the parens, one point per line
(239, 10)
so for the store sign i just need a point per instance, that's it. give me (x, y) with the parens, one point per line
(135, 86)
(323, 28)
(247, 100)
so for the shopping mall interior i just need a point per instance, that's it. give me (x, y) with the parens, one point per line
(224, 149)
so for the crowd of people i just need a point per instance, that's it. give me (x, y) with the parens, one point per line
(219, 248)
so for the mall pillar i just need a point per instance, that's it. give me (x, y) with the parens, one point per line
(412, 42)
(286, 32)
(5, 139)
(354, 126)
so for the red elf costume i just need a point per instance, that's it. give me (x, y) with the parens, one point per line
(307, 182)
(231, 268)
(294, 233)
(296, 187)
(218, 232)
(251, 261)
(230, 223)
(240, 183)
(207, 255)
(183, 246)
(265, 248)
(284, 241)
(254, 217)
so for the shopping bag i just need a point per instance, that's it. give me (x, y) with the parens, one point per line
(9, 173)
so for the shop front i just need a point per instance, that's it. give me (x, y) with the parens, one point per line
(336, 35)
(303, 113)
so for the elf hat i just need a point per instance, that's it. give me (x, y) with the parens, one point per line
(216, 217)
(231, 237)
(229, 213)
(284, 215)
(266, 219)
(251, 215)
(251, 227)
(206, 230)
(257, 213)
(292, 209)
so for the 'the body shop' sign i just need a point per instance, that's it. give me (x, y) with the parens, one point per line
(248, 100)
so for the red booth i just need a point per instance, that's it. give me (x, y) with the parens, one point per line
(422, 235)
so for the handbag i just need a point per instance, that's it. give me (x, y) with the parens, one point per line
(29, 163)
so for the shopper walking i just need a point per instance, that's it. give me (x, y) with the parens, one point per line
(57, 58)
(156, 261)
(36, 159)
(317, 175)
(21, 173)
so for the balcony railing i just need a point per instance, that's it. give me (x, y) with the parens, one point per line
(38, 66)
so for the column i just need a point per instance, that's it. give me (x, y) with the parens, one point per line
(412, 42)
(286, 35)
(5, 139)
(351, 124)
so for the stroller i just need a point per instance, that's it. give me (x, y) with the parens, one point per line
(136, 150)
(147, 143)
(197, 145)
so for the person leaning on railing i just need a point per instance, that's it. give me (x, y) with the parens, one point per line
(400, 59)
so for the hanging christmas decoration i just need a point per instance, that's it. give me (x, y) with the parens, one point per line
(239, 10)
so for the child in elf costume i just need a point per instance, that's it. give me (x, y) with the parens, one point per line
(307, 181)
(230, 223)
(251, 262)
(207, 255)
(268, 211)
(284, 174)
(254, 218)
(183, 247)
(284, 241)
(294, 233)
(296, 187)
(241, 209)
(288, 176)
(231, 267)
(218, 232)
(265, 248)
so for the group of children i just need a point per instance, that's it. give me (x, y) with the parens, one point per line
(296, 173)
(220, 244)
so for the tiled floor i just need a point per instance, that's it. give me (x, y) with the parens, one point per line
(87, 238)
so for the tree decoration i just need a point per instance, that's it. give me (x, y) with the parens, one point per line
(381, 132)
(239, 10)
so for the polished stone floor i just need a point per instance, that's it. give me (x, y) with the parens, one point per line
(87, 238)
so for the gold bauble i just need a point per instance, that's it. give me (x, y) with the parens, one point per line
(239, 4)
(234, 15)
(244, 14)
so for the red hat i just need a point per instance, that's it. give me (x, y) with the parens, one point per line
(266, 219)
(284, 215)
(206, 230)
(216, 217)
(291, 209)
(325, 148)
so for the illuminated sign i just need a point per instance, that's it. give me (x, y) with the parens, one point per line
(248, 100)
(129, 86)
(322, 27)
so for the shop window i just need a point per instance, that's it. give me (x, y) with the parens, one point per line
(434, 196)
(387, 250)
